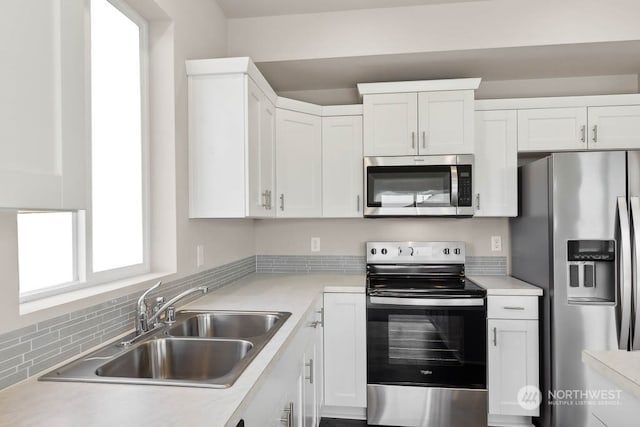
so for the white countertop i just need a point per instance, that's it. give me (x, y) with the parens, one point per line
(69, 404)
(620, 367)
(506, 285)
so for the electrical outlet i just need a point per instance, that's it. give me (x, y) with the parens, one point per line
(496, 243)
(315, 244)
(199, 256)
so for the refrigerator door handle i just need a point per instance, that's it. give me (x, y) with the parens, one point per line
(623, 307)
(634, 202)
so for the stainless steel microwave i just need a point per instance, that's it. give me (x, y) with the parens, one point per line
(418, 186)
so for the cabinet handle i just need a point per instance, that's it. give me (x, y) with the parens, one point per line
(413, 140)
(265, 199)
(595, 133)
(288, 415)
(282, 201)
(424, 139)
(513, 308)
(583, 131)
(269, 199)
(310, 366)
(358, 203)
(478, 201)
(321, 313)
(495, 337)
(315, 323)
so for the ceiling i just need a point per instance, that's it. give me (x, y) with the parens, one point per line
(586, 59)
(516, 63)
(256, 8)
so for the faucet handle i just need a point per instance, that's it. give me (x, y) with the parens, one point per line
(171, 315)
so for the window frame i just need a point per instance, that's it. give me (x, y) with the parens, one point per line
(82, 220)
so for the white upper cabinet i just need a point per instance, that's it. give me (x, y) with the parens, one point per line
(261, 130)
(445, 124)
(44, 122)
(612, 128)
(496, 164)
(390, 124)
(419, 118)
(552, 129)
(342, 171)
(587, 127)
(231, 141)
(298, 164)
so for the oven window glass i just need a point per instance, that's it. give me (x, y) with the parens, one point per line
(416, 339)
(438, 346)
(401, 186)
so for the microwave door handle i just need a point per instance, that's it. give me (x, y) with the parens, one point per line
(623, 307)
(634, 203)
(454, 186)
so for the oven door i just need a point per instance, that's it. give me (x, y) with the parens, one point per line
(417, 186)
(435, 342)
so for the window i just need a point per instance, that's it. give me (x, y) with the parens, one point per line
(59, 251)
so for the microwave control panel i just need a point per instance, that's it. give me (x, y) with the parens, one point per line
(464, 185)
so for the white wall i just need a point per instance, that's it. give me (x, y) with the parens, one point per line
(347, 236)
(434, 28)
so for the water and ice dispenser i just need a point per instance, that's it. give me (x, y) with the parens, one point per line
(591, 271)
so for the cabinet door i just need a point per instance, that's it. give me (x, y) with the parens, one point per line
(512, 364)
(445, 122)
(298, 164)
(260, 138)
(552, 129)
(342, 166)
(345, 361)
(496, 163)
(310, 416)
(613, 128)
(44, 122)
(390, 124)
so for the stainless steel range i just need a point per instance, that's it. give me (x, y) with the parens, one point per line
(426, 337)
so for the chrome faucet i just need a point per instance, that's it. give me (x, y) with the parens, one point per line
(146, 322)
(142, 322)
(168, 306)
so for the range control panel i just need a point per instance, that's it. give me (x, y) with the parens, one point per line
(415, 252)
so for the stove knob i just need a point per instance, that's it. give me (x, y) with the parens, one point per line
(445, 251)
(384, 251)
(456, 251)
(373, 251)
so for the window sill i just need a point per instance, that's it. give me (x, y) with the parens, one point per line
(86, 297)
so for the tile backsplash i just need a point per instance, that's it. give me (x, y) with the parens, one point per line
(30, 350)
(475, 265)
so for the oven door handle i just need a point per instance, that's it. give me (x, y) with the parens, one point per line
(428, 302)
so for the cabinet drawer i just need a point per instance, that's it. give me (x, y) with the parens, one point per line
(512, 307)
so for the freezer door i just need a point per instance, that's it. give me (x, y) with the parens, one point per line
(585, 188)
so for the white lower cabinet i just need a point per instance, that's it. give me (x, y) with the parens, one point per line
(291, 394)
(345, 361)
(512, 357)
(618, 407)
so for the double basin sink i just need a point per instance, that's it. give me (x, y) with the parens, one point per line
(201, 349)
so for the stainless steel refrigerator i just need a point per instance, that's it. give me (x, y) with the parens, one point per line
(574, 237)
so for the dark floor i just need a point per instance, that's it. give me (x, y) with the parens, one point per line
(335, 422)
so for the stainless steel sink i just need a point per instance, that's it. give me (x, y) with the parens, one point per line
(220, 324)
(179, 359)
(202, 349)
